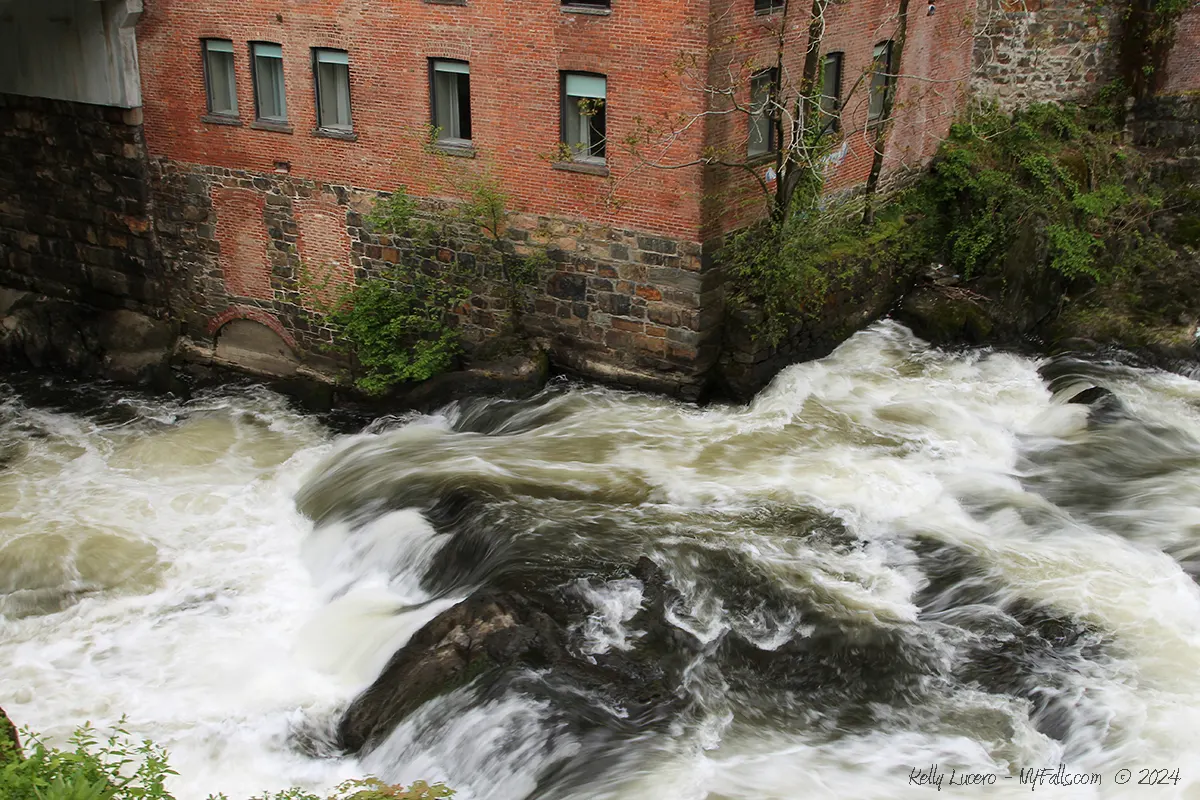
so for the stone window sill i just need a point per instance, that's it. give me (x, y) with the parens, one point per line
(221, 119)
(267, 125)
(455, 149)
(333, 133)
(579, 8)
(580, 166)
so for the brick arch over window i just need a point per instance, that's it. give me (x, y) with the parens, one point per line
(252, 315)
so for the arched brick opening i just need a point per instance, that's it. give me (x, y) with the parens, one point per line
(254, 340)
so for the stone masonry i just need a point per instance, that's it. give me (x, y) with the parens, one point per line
(616, 304)
(75, 205)
(1030, 51)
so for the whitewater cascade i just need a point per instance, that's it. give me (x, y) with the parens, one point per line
(893, 558)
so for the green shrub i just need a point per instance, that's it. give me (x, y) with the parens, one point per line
(1057, 172)
(397, 326)
(119, 768)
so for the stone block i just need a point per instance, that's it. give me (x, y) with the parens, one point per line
(656, 244)
(567, 285)
(617, 304)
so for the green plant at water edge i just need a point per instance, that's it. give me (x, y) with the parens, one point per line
(365, 789)
(116, 768)
(1057, 176)
(397, 326)
(120, 768)
(790, 270)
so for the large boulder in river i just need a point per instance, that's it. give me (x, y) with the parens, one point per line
(501, 633)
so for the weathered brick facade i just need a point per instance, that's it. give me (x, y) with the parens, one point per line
(613, 305)
(221, 218)
(1183, 64)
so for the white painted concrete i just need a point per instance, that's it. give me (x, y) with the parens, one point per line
(82, 50)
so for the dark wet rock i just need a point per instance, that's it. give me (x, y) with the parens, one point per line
(946, 316)
(1009, 645)
(46, 334)
(503, 632)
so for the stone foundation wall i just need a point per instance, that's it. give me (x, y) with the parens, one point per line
(748, 363)
(612, 304)
(75, 205)
(1036, 51)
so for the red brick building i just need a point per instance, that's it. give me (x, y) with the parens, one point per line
(286, 115)
(256, 136)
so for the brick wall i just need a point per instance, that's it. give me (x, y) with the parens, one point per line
(930, 91)
(1183, 64)
(515, 52)
(74, 213)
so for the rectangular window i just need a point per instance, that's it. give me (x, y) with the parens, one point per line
(451, 85)
(584, 98)
(218, 77)
(831, 91)
(881, 79)
(762, 120)
(332, 69)
(588, 3)
(767, 6)
(267, 60)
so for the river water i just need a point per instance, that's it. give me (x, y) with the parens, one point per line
(962, 568)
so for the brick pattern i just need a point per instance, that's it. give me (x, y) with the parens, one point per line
(250, 314)
(930, 92)
(1183, 64)
(241, 239)
(324, 247)
(515, 51)
(74, 210)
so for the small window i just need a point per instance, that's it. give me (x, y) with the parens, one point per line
(588, 3)
(762, 120)
(218, 77)
(831, 92)
(269, 99)
(767, 6)
(332, 69)
(583, 115)
(451, 82)
(881, 79)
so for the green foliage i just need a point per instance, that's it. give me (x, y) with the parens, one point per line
(116, 768)
(789, 270)
(1051, 192)
(1056, 173)
(119, 768)
(397, 326)
(394, 215)
(364, 789)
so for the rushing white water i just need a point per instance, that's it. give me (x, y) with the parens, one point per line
(891, 499)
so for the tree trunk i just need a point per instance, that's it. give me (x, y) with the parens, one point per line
(884, 125)
(808, 107)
